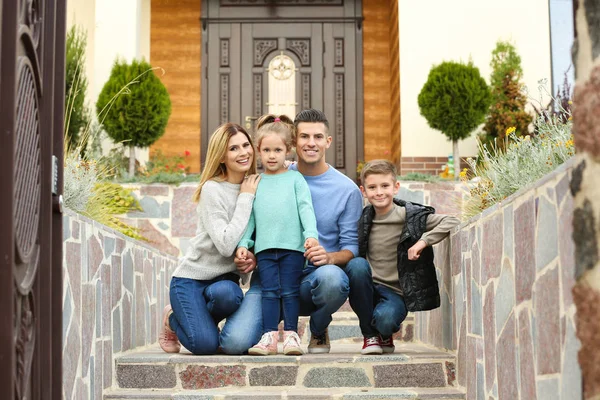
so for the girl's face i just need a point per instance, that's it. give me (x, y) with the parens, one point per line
(272, 154)
(238, 157)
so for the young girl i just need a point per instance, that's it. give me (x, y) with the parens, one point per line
(204, 288)
(285, 225)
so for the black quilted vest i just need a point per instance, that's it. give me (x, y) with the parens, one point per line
(418, 279)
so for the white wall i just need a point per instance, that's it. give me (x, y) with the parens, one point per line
(562, 34)
(432, 31)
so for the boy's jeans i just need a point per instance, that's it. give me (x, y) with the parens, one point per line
(197, 308)
(280, 273)
(380, 310)
(323, 290)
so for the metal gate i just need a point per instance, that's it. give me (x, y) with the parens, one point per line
(32, 58)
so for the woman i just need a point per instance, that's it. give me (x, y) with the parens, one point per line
(204, 288)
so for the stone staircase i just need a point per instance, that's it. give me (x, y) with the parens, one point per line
(414, 371)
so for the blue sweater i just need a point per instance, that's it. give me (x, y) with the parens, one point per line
(338, 205)
(282, 214)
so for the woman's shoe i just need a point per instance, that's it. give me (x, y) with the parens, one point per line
(291, 344)
(167, 339)
(266, 346)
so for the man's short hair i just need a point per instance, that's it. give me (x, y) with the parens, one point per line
(311, 115)
(378, 167)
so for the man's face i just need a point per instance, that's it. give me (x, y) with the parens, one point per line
(312, 141)
(380, 190)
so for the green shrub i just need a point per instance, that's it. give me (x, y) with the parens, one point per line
(454, 100)
(508, 104)
(77, 115)
(138, 117)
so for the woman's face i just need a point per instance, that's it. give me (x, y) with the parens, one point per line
(238, 157)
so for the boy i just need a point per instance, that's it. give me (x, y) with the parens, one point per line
(394, 272)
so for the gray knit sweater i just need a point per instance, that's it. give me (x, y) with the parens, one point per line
(223, 213)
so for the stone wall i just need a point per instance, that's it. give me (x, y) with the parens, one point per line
(506, 278)
(169, 218)
(114, 291)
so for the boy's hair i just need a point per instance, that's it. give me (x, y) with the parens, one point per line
(280, 125)
(378, 167)
(311, 115)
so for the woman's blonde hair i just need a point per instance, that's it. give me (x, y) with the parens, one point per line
(280, 125)
(214, 169)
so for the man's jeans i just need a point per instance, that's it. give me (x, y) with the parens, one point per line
(323, 290)
(198, 306)
(380, 310)
(280, 273)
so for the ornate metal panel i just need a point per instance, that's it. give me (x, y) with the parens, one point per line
(339, 120)
(32, 99)
(224, 52)
(305, 102)
(257, 94)
(280, 2)
(224, 98)
(338, 52)
(262, 47)
(300, 47)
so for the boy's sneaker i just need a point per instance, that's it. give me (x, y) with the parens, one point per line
(266, 346)
(387, 345)
(167, 339)
(291, 344)
(319, 344)
(371, 345)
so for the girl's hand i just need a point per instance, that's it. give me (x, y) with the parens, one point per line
(249, 184)
(241, 253)
(310, 242)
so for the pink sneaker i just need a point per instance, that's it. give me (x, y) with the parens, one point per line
(387, 345)
(266, 346)
(167, 339)
(291, 344)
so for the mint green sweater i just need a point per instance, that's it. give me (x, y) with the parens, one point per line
(282, 214)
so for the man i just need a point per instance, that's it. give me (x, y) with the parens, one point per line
(324, 288)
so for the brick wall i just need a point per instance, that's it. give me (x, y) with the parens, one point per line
(426, 165)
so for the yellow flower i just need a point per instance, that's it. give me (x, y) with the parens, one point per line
(510, 130)
(570, 102)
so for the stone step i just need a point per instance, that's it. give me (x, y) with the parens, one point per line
(412, 365)
(266, 393)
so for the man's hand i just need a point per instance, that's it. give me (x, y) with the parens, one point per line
(317, 256)
(415, 251)
(246, 264)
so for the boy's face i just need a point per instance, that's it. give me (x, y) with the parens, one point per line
(380, 190)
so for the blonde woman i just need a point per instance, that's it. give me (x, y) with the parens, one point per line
(205, 286)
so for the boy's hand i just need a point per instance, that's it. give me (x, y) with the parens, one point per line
(415, 251)
(310, 242)
(246, 264)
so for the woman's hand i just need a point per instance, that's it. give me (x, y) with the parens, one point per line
(247, 264)
(249, 184)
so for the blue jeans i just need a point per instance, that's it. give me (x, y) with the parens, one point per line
(323, 290)
(198, 306)
(380, 310)
(280, 272)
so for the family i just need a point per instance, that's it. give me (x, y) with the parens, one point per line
(300, 233)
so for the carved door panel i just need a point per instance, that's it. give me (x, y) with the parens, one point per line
(282, 59)
(32, 58)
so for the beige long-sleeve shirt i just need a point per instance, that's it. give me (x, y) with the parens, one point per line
(383, 242)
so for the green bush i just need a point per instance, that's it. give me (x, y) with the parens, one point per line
(76, 83)
(508, 100)
(138, 115)
(454, 100)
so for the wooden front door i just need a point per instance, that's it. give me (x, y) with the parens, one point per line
(32, 59)
(270, 56)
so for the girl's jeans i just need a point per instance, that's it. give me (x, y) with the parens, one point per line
(380, 310)
(198, 306)
(280, 273)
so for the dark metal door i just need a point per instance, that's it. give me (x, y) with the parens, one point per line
(32, 57)
(323, 42)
